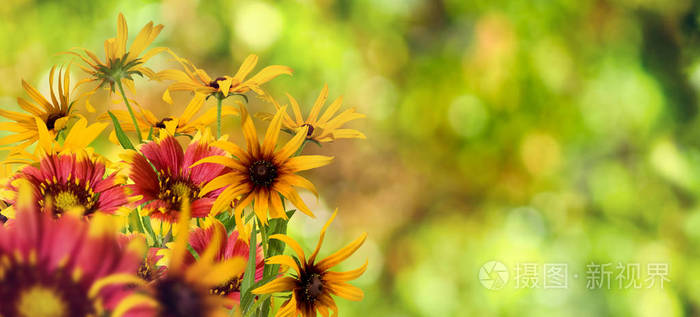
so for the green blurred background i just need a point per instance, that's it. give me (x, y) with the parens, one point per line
(517, 131)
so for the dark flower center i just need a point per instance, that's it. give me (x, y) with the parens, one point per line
(29, 291)
(68, 195)
(146, 272)
(3, 219)
(262, 173)
(310, 131)
(312, 286)
(215, 83)
(51, 120)
(177, 298)
(229, 287)
(173, 190)
(161, 124)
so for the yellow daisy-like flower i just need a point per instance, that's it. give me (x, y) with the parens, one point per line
(313, 284)
(54, 114)
(183, 124)
(120, 64)
(261, 174)
(76, 141)
(197, 80)
(325, 128)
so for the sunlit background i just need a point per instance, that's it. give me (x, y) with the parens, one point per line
(518, 131)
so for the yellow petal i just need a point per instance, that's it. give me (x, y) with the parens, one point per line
(306, 162)
(312, 258)
(292, 244)
(281, 284)
(272, 133)
(342, 254)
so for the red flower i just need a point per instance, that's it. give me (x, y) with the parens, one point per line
(163, 176)
(231, 247)
(62, 267)
(63, 182)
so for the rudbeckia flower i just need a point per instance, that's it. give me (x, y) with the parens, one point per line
(184, 124)
(62, 182)
(231, 247)
(120, 64)
(186, 288)
(63, 267)
(261, 174)
(325, 128)
(163, 177)
(54, 114)
(313, 284)
(197, 80)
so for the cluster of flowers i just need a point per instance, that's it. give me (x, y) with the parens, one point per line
(165, 230)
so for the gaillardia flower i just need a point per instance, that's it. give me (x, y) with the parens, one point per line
(121, 64)
(260, 174)
(313, 284)
(184, 124)
(186, 289)
(321, 129)
(54, 114)
(162, 176)
(197, 80)
(63, 182)
(231, 247)
(63, 267)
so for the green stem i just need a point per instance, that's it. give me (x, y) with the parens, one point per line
(218, 118)
(131, 112)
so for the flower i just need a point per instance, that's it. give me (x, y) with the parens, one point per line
(63, 267)
(313, 284)
(120, 64)
(62, 182)
(231, 247)
(323, 129)
(180, 125)
(54, 114)
(186, 289)
(148, 269)
(261, 174)
(197, 80)
(162, 176)
(77, 139)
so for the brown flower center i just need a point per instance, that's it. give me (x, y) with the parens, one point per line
(262, 173)
(229, 287)
(215, 83)
(178, 298)
(51, 120)
(310, 131)
(312, 286)
(161, 124)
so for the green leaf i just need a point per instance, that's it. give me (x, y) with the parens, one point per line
(249, 275)
(121, 136)
(135, 221)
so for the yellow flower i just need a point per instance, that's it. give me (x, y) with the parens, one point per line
(261, 174)
(313, 284)
(184, 124)
(120, 64)
(321, 129)
(76, 141)
(197, 80)
(54, 114)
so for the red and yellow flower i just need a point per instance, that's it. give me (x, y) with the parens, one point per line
(63, 267)
(63, 182)
(162, 176)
